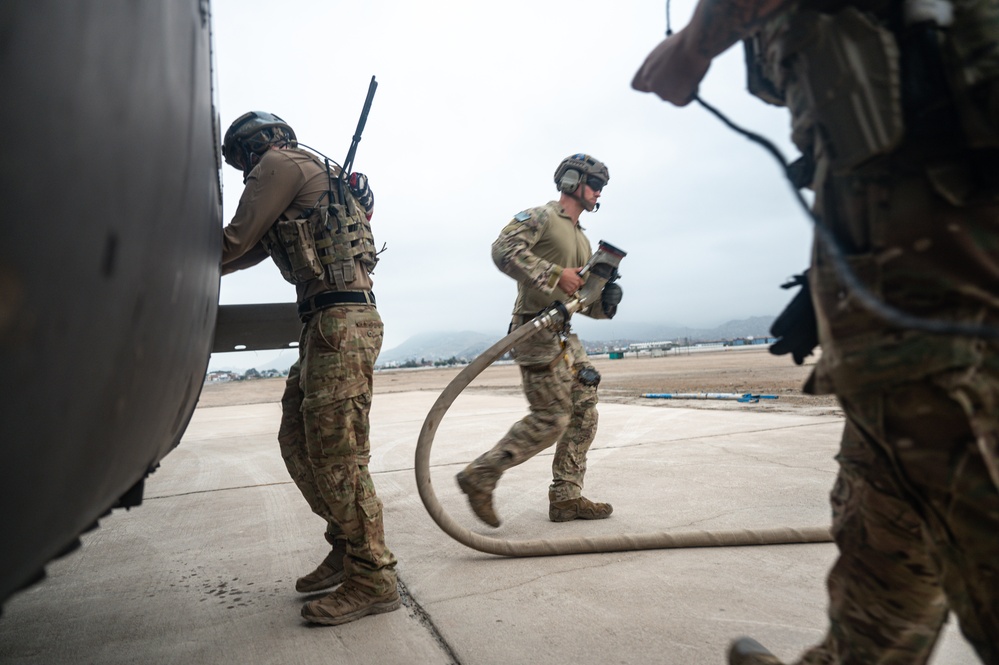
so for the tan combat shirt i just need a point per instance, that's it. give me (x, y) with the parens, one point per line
(285, 181)
(534, 248)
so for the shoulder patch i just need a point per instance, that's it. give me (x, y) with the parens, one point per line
(522, 216)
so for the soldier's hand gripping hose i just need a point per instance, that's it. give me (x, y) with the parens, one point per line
(600, 271)
(795, 328)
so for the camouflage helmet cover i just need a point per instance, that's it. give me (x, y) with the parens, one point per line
(251, 134)
(584, 165)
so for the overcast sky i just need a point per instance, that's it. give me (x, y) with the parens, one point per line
(477, 103)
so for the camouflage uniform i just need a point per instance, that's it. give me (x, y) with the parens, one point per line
(533, 249)
(916, 501)
(324, 426)
(324, 435)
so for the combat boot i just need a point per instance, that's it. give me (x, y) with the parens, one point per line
(578, 509)
(480, 495)
(348, 603)
(329, 573)
(747, 651)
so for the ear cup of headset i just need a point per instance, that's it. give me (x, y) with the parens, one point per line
(570, 181)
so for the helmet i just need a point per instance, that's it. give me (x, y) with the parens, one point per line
(250, 135)
(576, 169)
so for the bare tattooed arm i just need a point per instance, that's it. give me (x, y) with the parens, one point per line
(675, 68)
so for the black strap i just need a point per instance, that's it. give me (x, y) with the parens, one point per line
(332, 298)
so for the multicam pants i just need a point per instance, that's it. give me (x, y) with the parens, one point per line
(324, 435)
(916, 502)
(916, 520)
(563, 411)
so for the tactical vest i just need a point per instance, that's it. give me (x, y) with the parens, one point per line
(325, 243)
(855, 77)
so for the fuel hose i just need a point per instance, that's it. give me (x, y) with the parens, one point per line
(555, 317)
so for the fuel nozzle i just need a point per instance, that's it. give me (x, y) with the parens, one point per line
(600, 269)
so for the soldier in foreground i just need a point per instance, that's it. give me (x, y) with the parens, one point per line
(289, 196)
(543, 249)
(897, 107)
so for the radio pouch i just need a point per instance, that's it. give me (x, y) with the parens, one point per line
(848, 69)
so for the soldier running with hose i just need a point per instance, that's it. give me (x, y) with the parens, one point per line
(543, 249)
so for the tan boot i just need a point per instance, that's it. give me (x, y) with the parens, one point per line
(747, 651)
(480, 498)
(578, 509)
(329, 573)
(348, 603)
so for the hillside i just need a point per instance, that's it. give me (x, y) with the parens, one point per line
(597, 337)
(467, 345)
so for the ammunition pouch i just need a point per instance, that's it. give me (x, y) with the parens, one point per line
(346, 238)
(324, 245)
(291, 244)
(848, 69)
(860, 89)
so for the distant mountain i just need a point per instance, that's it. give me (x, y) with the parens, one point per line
(756, 326)
(596, 337)
(285, 360)
(239, 363)
(438, 346)
(467, 344)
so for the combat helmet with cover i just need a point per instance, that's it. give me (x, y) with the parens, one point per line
(249, 136)
(581, 168)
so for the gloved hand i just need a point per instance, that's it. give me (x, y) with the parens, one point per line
(358, 184)
(795, 327)
(610, 298)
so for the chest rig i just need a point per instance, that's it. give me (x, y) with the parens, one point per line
(327, 241)
(861, 76)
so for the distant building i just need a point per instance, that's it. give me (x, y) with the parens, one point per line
(746, 341)
(654, 348)
(222, 376)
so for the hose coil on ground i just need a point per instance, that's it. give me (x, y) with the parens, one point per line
(526, 548)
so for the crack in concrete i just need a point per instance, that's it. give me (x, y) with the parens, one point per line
(554, 573)
(416, 610)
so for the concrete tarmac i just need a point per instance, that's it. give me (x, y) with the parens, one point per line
(203, 572)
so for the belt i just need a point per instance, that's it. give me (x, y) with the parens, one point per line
(521, 319)
(308, 307)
